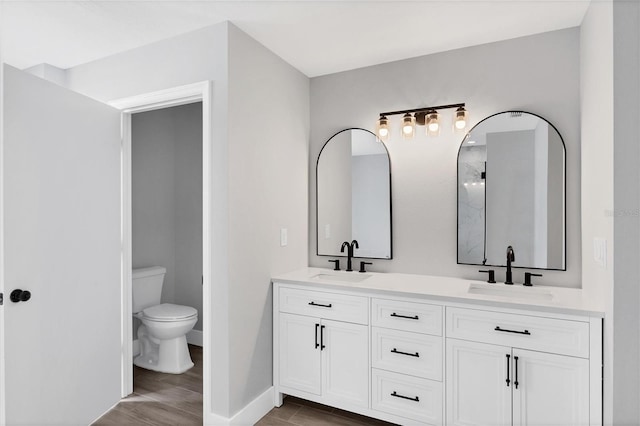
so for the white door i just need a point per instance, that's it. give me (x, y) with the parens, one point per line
(61, 210)
(300, 353)
(345, 363)
(552, 389)
(477, 389)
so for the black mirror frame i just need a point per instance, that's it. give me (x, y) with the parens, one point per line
(564, 146)
(390, 198)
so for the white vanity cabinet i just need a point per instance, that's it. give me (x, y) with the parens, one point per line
(505, 369)
(406, 360)
(414, 359)
(323, 346)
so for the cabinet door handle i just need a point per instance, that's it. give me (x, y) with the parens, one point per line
(395, 351)
(397, 395)
(504, 330)
(320, 304)
(322, 346)
(515, 382)
(317, 325)
(508, 358)
(415, 317)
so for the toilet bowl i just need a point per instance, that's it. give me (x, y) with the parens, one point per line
(162, 335)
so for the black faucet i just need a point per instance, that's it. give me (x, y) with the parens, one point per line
(511, 257)
(349, 247)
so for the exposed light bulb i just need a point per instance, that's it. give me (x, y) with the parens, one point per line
(460, 118)
(382, 128)
(408, 126)
(433, 123)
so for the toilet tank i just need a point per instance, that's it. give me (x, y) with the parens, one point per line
(147, 287)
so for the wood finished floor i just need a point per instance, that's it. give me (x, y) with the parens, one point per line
(160, 399)
(298, 412)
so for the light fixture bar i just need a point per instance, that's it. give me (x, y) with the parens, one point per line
(425, 109)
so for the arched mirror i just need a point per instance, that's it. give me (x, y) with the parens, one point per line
(511, 192)
(353, 190)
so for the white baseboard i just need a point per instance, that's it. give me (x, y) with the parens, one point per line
(249, 415)
(194, 337)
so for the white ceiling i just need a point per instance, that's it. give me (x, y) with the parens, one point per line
(317, 37)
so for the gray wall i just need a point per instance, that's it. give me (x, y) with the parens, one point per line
(538, 73)
(610, 106)
(268, 190)
(260, 115)
(166, 157)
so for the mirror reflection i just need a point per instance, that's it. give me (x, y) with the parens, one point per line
(353, 190)
(511, 192)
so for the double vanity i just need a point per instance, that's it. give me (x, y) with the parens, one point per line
(417, 349)
(414, 349)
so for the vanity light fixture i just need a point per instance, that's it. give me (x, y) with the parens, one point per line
(428, 116)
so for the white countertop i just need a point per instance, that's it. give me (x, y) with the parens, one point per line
(561, 300)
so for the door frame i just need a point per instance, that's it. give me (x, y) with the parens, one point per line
(181, 95)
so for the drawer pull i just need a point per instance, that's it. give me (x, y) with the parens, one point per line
(319, 304)
(512, 331)
(395, 351)
(416, 399)
(415, 317)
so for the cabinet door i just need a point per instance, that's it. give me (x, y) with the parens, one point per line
(299, 356)
(552, 389)
(477, 388)
(345, 363)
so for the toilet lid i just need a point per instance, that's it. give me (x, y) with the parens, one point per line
(169, 311)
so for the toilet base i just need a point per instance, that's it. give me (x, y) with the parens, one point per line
(169, 356)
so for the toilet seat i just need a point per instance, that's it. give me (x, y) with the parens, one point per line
(169, 312)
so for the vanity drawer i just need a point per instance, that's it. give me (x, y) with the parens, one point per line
(407, 316)
(408, 353)
(407, 396)
(521, 331)
(339, 307)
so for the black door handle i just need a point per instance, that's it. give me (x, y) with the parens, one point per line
(504, 330)
(319, 304)
(18, 295)
(322, 346)
(317, 325)
(415, 317)
(395, 351)
(515, 382)
(508, 381)
(397, 395)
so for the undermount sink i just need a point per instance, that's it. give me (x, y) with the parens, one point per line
(498, 290)
(349, 278)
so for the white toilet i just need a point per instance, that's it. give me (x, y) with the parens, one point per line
(162, 335)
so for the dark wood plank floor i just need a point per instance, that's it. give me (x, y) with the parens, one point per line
(161, 399)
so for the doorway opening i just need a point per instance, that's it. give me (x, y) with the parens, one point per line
(166, 169)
